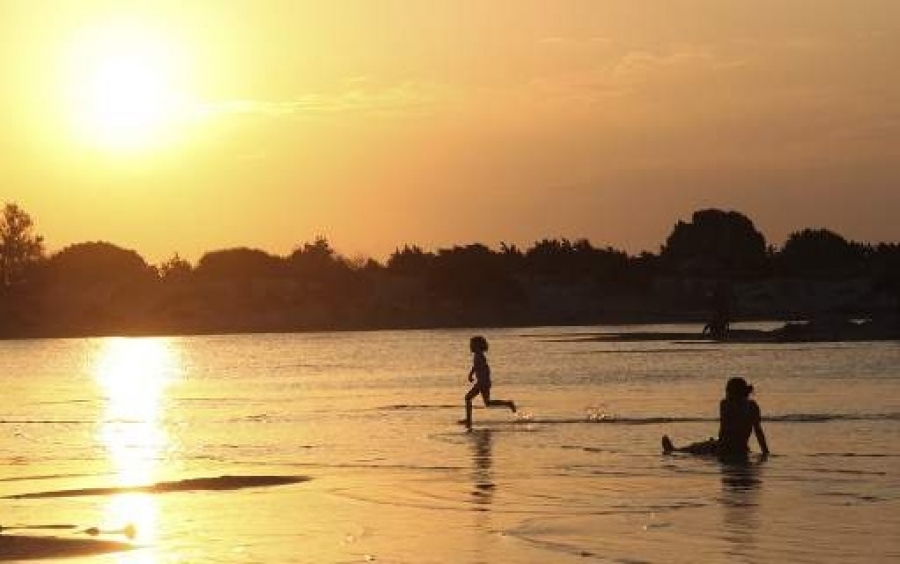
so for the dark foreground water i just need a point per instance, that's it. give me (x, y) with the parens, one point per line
(344, 447)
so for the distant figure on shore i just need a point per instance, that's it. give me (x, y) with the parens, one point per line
(481, 376)
(717, 328)
(739, 417)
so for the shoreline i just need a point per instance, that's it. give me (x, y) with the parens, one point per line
(791, 331)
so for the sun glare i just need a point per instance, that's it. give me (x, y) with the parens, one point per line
(133, 375)
(128, 87)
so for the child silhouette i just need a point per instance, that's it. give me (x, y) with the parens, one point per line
(481, 376)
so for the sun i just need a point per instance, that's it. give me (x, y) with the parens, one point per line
(127, 87)
(130, 96)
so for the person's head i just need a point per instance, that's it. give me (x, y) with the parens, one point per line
(738, 388)
(478, 344)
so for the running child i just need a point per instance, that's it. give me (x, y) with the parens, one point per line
(481, 376)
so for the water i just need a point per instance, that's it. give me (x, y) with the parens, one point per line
(371, 417)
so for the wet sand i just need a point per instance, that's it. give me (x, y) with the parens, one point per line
(36, 547)
(218, 483)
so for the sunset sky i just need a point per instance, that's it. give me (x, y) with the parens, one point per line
(191, 126)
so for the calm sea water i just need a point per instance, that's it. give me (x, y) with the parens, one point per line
(371, 419)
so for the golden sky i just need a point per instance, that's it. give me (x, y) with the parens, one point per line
(191, 126)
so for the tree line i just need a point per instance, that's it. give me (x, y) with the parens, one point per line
(100, 288)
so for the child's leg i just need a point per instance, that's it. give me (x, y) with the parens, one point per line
(470, 395)
(488, 402)
(503, 403)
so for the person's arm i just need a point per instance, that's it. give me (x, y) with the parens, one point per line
(472, 373)
(760, 435)
(721, 420)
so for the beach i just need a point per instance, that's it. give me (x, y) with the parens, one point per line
(345, 447)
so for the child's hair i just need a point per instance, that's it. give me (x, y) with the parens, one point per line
(478, 344)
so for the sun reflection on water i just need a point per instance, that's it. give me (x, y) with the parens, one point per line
(133, 375)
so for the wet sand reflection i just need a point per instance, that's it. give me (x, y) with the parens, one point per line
(482, 458)
(482, 494)
(741, 488)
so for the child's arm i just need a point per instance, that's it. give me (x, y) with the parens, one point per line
(472, 374)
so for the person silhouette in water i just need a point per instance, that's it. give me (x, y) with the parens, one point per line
(739, 417)
(481, 376)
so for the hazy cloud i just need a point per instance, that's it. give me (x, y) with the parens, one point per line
(624, 76)
(552, 39)
(407, 97)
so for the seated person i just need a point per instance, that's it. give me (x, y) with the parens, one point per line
(739, 417)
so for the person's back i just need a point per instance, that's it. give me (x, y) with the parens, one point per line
(737, 417)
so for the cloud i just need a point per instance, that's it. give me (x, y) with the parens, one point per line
(407, 97)
(635, 72)
(591, 40)
(638, 66)
(551, 40)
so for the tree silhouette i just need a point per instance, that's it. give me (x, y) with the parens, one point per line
(815, 252)
(707, 263)
(96, 287)
(716, 243)
(562, 259)
(319, 267)
(97, 264)
(20, 247)
(176, 268)
(239, 264)
(410, 261)
(474, 274)
(314, 259)
(885, 259)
